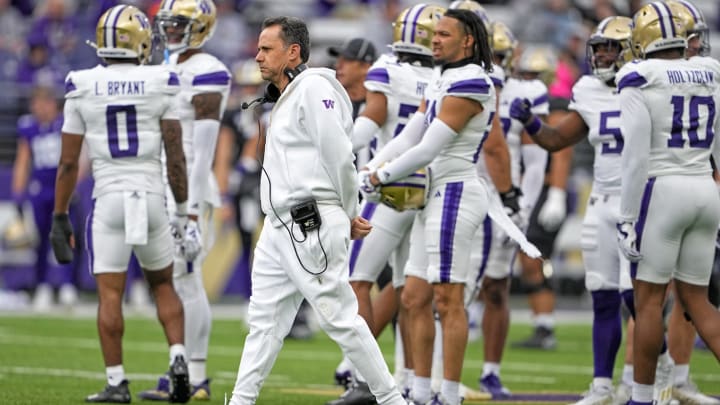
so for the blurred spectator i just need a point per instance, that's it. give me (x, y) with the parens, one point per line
(36, 70)
(551, 21)
(354, 58)
(230, 42)
(38, 154)
(24, 6)
(54, 20)
(12, 30)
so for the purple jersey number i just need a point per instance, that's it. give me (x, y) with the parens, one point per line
(607, 146)
(111, 114)
(679, 124)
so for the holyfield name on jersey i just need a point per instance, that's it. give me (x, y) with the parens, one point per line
(120, 88)
(690, 76)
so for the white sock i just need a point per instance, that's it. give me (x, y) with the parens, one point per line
(198, 372)
(546, 320)
(665, 358)
(115, 375)
(602, 382)
(642, 393)
(409, 378)
(177, 349)
(628, 375)
(451, 392)
(421, 389)
(490, 368)
(681, 374)
(345, 365)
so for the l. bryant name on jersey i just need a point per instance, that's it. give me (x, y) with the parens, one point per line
(690, 76)
(120, 88)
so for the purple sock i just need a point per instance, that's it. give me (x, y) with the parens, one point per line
(607, 331)
(629, 300)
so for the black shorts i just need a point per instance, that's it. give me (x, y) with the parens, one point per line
(536, 234)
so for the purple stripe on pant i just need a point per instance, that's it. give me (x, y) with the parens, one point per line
(487, 245)
(366, 213)
(640, 225)
(451, 205)
(89, 238)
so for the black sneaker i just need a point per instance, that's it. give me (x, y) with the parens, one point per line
(542, 338)
(358, 394)
(111, 394)
(179, 381)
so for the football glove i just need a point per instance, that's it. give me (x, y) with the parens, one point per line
(627, 240)
(177, 230)
(520, 110)
(192, 242)
(511, 201)
(554, 209)
(368, 190)
(61, 234)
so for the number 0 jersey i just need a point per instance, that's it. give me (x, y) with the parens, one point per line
(404, 86)
(599, 106)
(118, 109)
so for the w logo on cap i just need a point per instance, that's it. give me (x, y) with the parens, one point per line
(204, 7)
(329, 104)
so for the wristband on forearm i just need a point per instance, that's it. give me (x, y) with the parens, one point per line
(533, 127)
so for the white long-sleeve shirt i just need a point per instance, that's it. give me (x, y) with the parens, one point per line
(308, 152)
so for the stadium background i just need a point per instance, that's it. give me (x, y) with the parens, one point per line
(41, 40)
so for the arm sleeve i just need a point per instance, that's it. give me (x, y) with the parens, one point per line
(330, 131)
(420, 155)
(72, 120)
(406, 139)
(363, 131)
(634, 121)
(535, 159)
(205, 134)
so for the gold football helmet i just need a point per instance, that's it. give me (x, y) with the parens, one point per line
(195, 19)
(503, 44)
(695, 25)
(414, 28)
(658, 26)
(409, 193)
(124, 32)
(612, 32)
(473, 6)
(540, 60)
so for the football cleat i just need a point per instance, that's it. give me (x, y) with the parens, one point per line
(688, 393)
(201, 392)
(160, 393)
(542, 338)
(179, 379)
(343, 378)
(597, 395)
(663, 388)
(112, 394)
(623, 393)
(492, 385)
(358, 394)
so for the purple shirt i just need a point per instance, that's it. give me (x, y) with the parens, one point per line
(44, 142)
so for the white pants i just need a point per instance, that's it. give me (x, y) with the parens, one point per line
(605, 267)
(105, 234)
(279, 284)
(676, 230)
(388, 241)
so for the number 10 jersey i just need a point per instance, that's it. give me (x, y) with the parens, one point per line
(118, 109)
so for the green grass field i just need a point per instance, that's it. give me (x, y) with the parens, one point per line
(57, 360)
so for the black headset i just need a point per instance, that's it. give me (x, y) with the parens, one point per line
(272, 93)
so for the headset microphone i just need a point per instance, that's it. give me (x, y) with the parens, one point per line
(246, 105)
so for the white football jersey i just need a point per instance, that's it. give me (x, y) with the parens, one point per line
(457, 160)
(537, 93)
(201, 73)
(599, 106)
(497, 76)
(682, 97)
(118, 108)
(404, 87)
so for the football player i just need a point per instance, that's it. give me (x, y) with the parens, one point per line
(184, 27)
(595, 115)
(125, 113)
(668, 158)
